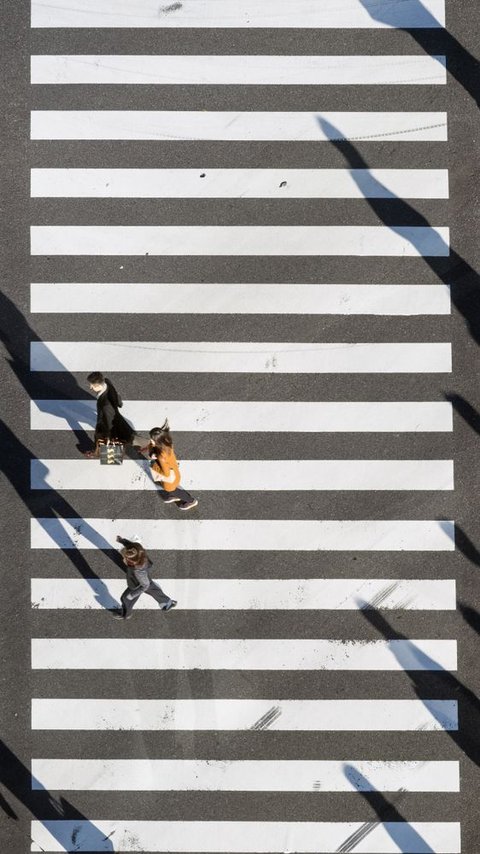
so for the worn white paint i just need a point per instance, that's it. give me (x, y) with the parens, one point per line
(201, 14)
(241, 654)
(256, 416)
(241, 357)
(240, 240)
(246, 534)
(254, 125)
(250, 775)
(250, 475)
(255, 298)
(245, 715)
(186, 70)
(244, 837)
(214, 594)
(239, 183)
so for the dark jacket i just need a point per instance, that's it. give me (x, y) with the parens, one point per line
(138, 576)
(110, 423)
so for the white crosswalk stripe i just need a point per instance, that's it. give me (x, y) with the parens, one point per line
(170, 187)
(262, 475)
(240, 183)
(241, 534)
(220, 654)
(249, 126)
(163, 298)
(301, 70)
(245, 837)
(265, 240)
(247, 776)
(279, 715)
(247, 594)
(256, 417)
(241, 357)
(238, 13)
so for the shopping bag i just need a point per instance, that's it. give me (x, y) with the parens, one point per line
(110, 453)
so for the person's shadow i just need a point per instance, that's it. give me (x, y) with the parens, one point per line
(67, 825)
(448, 265)
(405, 837)
(46, 506)
(430, 34)
(17, 336)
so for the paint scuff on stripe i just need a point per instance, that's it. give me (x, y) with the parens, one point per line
(267, 719)
(174, 7)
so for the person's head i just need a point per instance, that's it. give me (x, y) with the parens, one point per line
(134, 555)
(96, 381)
(161, 436)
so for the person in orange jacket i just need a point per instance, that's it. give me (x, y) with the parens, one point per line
(165, 471)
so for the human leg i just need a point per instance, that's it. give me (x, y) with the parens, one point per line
(128, 599)
(157, 593)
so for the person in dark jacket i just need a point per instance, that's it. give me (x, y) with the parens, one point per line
(139, 580)
(111, 425)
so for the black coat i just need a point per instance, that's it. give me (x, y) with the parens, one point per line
(110, 423)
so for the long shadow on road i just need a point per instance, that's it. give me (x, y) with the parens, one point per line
(433, 684)
(449, 267)
(69, 827)
(49, 504)
(405, 837)
(431, 37)
(17, 335)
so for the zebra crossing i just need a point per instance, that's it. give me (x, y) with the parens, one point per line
(191, 239)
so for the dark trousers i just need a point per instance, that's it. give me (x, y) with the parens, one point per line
(179, 493)
(129, 597)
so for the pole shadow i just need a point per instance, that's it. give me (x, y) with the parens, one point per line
(404, 836)
(466, 546)
(431, 36)
(435, 682)
(448, 266)
(470, 615)
(465, 409)
(68, 826)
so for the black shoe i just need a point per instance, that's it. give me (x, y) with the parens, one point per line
(188, 505)
(170, 500)
(170, 604)
(119, 615)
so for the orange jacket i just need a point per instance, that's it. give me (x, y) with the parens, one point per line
(164, 464)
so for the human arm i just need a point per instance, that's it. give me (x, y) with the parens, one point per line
(127, 543)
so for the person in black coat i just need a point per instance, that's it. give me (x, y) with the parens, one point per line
(111, 425)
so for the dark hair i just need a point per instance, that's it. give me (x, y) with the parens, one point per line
(161, 435)
(95, 378)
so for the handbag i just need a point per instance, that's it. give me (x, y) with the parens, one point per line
(110, 453)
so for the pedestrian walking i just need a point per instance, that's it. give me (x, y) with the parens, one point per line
(111, 426)
(139, 580)
(165, 470)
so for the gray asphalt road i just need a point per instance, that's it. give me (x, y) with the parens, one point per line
(21, 623)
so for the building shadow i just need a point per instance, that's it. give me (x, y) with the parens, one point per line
(465, 409)
(402, 834)
(447, 265)
(69, 827)
(432, 38)
(432, 681)
(47, 506)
